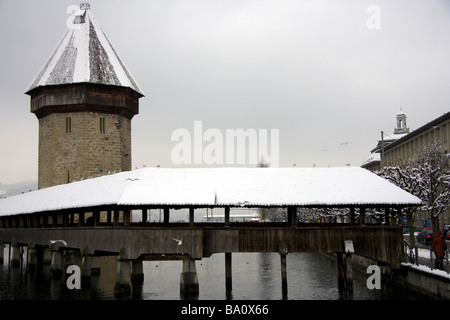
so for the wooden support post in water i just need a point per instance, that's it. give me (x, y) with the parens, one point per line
(56, 267)
(90, 265)
(123, 278)
(46, 255)
(228, 276)
(283, 250)
(284, 287)
(349, 272)
(137, 271)
(14, 255)
(189, 278)
(32, 258)
(345, 273)
(72, 257)
(85, 267)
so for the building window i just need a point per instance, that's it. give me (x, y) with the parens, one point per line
(102, 125)
(68, 125)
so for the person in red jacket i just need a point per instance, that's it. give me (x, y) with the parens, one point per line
(438, 246)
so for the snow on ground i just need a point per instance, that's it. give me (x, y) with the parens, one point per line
(421, 267)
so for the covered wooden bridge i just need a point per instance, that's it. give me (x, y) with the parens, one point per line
(94, 216)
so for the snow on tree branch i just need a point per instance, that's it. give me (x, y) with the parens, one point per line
(427, 176)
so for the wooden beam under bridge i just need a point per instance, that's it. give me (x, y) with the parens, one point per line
(380, 243)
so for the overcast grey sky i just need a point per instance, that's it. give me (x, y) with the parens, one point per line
(311, 69)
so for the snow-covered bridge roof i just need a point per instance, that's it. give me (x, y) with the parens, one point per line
(217, 187)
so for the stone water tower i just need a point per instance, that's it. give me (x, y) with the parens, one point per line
(84, 99)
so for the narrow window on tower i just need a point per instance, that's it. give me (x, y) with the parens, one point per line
(68, 125)
(102, 125)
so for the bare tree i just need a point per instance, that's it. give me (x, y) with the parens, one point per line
(432, 165)
(274, 214)
(263, 163)
(427, 176)
(407, 178)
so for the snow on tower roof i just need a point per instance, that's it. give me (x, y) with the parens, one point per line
(84, 54)
(401, 113)
(217, 187)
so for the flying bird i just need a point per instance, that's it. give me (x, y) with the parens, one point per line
(60, 241)
(179, 241)
(133, 179)
(243, 204)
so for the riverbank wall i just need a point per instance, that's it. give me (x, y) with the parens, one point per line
(432, 283)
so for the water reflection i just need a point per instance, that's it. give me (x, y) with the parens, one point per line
(255, 276)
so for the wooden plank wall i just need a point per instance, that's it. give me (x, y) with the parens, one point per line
(384, 244)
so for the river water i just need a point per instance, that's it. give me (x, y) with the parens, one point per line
(255, 276)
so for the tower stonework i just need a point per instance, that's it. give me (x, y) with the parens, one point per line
(84, 99)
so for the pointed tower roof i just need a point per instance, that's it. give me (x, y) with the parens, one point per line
(84, 55)
(401, 113)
